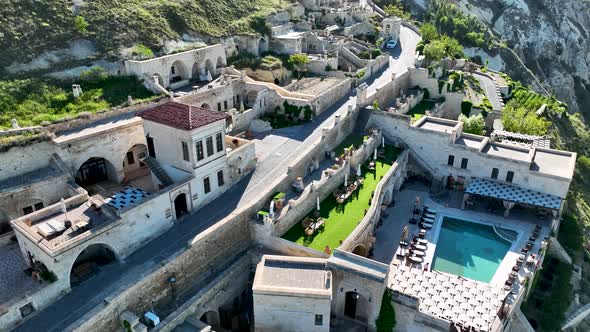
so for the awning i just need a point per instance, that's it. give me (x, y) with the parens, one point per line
(483, 187)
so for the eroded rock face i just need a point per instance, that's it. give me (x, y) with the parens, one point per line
(552, 37)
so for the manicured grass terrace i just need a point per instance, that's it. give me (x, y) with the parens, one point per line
(354, 140)
(340, 220)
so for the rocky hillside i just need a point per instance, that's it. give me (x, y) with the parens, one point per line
(75, 32)
(551, 37)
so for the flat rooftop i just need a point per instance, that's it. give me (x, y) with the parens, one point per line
(283, 274)
(28, 178)
(473, 142)
(436, 124)
(506, 151)
(558, 163)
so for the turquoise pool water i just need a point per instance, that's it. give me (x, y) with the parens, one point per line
(469, 249)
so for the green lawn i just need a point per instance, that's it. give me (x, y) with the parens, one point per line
(419, 110)
(340, 221)
(353, 139)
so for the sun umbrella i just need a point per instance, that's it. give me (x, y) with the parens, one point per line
(404, 284)
(441, 277)
(448, 314)
(440, 288)
(451, 302)
(488, 295)
(437, 298)
(468, 284)
(423, 307)
(466, 294)
(472, 313)
(465, 306)
(423, 295)
(480, 309)
(442, 306)
(457, 310)
(447, 284)
(396, 288)
(474, 291)
(405, 232)
(445, 295)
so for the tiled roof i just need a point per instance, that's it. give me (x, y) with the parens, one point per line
(182, 116)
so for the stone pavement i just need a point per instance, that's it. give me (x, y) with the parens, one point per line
(277, 149)
(13, 281)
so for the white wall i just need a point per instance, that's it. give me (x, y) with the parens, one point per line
(290, 313)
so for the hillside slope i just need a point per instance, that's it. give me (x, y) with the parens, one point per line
(30, 27)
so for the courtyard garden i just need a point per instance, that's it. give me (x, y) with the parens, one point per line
(420, 109)
(341, 219)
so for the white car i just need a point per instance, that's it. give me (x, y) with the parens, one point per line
(391, 44)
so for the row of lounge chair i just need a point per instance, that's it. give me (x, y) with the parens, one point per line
(418, 246)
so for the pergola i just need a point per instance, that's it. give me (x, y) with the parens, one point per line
(510, 195)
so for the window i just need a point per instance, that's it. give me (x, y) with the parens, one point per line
(451, 160)
(206, 185)
(464, 163)
(38, 206)
(151, 148)
(225, 105)
(172, 70)
(219, 107)
(495, 172)
(28, 209)
(319, 320)
(238, 98)
(130, 158)
(509, 176)
(220, 180)
(184, 151)
(209, 146)
(219, 142)
(199, 147)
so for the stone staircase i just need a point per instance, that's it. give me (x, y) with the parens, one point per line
(159, 172)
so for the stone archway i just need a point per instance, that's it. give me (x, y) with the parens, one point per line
(220, 64)
(206, 106)
(196, 72)
(356, 306)
(178, 72)
(95, 170)
(90, 261)
(211, 318)
(210, 68)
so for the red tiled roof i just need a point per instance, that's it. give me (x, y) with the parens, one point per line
(176, 115)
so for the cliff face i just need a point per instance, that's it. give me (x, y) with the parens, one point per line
(552, 37)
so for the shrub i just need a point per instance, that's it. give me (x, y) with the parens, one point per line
(386, 320)
(473, 124)
(48, 276)
(95, 73)
(426, 93)
(81, 24)
(243, 60)
(441, 84)
(518, 119)
(466, 106)
(142, 52)
(259, 24)
(328, 68)
(360, 74)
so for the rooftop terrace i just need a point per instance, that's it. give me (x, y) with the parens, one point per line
(436, 124)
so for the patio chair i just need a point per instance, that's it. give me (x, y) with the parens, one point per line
(425, 226)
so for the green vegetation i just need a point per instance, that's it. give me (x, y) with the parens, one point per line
(545, 308)
(439, 47)
(386, 319)
(340, 220)
(271, 62)
(298, 61)
(520, 119)
(570, 235)
(29, 28)
(450, 20)
(360, 74)
(370, 54)
(396, 9)
(473, 124)
(291, 116)
(37, 101)
(142, 52)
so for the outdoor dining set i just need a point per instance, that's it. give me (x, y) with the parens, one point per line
(415, 250)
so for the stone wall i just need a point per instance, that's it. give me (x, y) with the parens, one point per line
(290, 313)
(434, 148)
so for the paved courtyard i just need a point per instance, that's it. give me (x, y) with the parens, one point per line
(14, 283)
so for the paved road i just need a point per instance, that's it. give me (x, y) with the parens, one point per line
(278, 146)
(489, 87)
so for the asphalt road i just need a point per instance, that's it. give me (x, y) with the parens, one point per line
(278, 146)
(489, 88)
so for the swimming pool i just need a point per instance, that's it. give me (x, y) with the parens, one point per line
(469, 249)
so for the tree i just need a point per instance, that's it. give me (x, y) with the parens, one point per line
(396, 9)
(473, 124)
(386, 320)
(452, 47)
(428, 32)
(434, 51)
(298, 61)
(81, 24)
(518, 119)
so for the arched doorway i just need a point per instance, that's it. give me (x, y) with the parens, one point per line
(360, 250)
(180, 205)
(356, 306)
(206, 106)
(133, 167)
(195, 72)
(89, 262)
(210, 318)
(4, 223)
(210, 68)
(95, 170)
(261, 46)
(220, 64)
(178, 72)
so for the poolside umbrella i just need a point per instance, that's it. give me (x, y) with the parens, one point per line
(448, 313)
(439, 288)
(382, 142)
(209, 77)
(458, 298)
(486, 318)
(474, 291)
(457, 310)
(396, 288)
(318, 203)
(466, 294)
(441, 277)
(478, 321)
(473, 301)
(404, 284)
(472, 313)
(428, 302)
(418, 288)
(447, 284)
(480, 309)
(271, 209)
(468, 284)
(445, 295)
(375, 154)
(423, 295)
(431, 291)
(358, 171)
(465, 306)
(488, 295)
